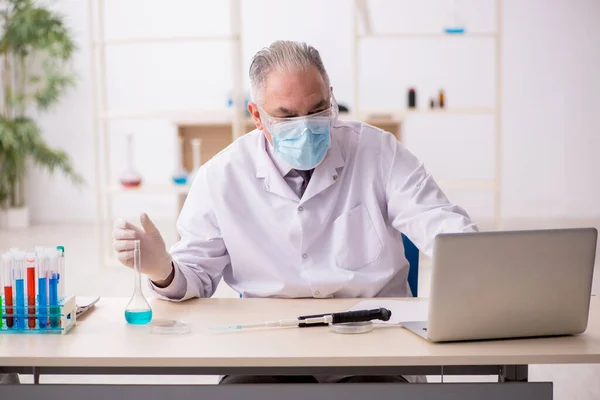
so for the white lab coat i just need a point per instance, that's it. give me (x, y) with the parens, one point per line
(242, 222)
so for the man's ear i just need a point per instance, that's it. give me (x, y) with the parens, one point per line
(255, 114)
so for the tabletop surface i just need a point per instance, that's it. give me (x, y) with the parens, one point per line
(102, 338)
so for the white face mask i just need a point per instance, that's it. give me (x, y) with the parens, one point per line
(302, 142)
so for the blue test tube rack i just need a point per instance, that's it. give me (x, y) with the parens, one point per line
(58, 320)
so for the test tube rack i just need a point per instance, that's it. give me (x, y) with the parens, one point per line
(48, 319)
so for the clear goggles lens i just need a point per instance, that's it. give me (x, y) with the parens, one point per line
(313, 121)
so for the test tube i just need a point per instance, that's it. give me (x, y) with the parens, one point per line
(61, 272)
(30, 267)
(8, 292)
(19, 288)
(1, 293)
(53, 287)
(43, 261)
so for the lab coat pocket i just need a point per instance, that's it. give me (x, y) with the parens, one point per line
(356, 242)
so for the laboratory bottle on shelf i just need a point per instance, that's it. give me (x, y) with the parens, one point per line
(138, 311)
(180, 175)
(412, 98)
(130, 178)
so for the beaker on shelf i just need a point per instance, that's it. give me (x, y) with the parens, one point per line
(138, 311)
(453, 23)
(130, 178)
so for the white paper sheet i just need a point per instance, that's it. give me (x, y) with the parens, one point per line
(402, 310)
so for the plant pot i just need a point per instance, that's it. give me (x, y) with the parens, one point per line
(14, 218)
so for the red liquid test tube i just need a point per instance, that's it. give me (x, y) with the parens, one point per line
(7, 282)
(30, 265)
(8, 301)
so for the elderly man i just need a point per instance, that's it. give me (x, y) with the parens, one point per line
(306, 205)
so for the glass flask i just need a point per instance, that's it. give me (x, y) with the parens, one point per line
(138, 311)
(130, 178)
(453, 23)
(180, 175)
(196, 144)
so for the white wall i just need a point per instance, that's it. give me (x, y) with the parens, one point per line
(550, 87)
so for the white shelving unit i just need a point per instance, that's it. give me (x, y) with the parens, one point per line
(362, 17)
(106, 188)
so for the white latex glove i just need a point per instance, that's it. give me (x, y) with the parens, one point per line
(155, 260)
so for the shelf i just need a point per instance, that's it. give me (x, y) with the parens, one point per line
(165, 39)
(216, 114)
(153, 189)
(429, 35)
(454, 111)
(399, 115)
(219, 116)
(382, 116)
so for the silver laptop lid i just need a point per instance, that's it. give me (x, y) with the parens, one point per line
(511, 284)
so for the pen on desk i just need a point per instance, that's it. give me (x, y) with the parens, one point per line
(30, 267)
(42, 288)
(19, 288)
(53, 288)
(306, 321)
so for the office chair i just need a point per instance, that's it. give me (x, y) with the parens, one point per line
(411, 252)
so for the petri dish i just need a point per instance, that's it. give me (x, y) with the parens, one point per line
(168, 327)
(351, 328)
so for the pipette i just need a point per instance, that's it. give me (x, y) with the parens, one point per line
(306, 321)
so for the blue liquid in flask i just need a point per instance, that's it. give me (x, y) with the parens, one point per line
(138, 311)
(138, 317)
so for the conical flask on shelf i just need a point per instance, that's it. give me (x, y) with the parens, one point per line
(130, 178)
(180, 174)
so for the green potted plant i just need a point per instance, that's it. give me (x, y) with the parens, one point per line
(36, 49)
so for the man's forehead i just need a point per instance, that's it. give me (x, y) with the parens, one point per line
(295, 83)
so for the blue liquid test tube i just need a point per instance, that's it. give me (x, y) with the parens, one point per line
(53, 288)
(43, 261)
(19, 288)
(53, 292)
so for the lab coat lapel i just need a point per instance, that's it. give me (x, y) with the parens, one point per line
(273, 182)
(326, 173)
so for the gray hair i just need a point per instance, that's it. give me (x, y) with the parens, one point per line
(283, 55)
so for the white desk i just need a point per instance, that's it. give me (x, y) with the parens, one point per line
(103, 343)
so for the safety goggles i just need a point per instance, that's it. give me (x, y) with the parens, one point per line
(318, 122)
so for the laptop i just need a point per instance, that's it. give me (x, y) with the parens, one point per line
(510, 284)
